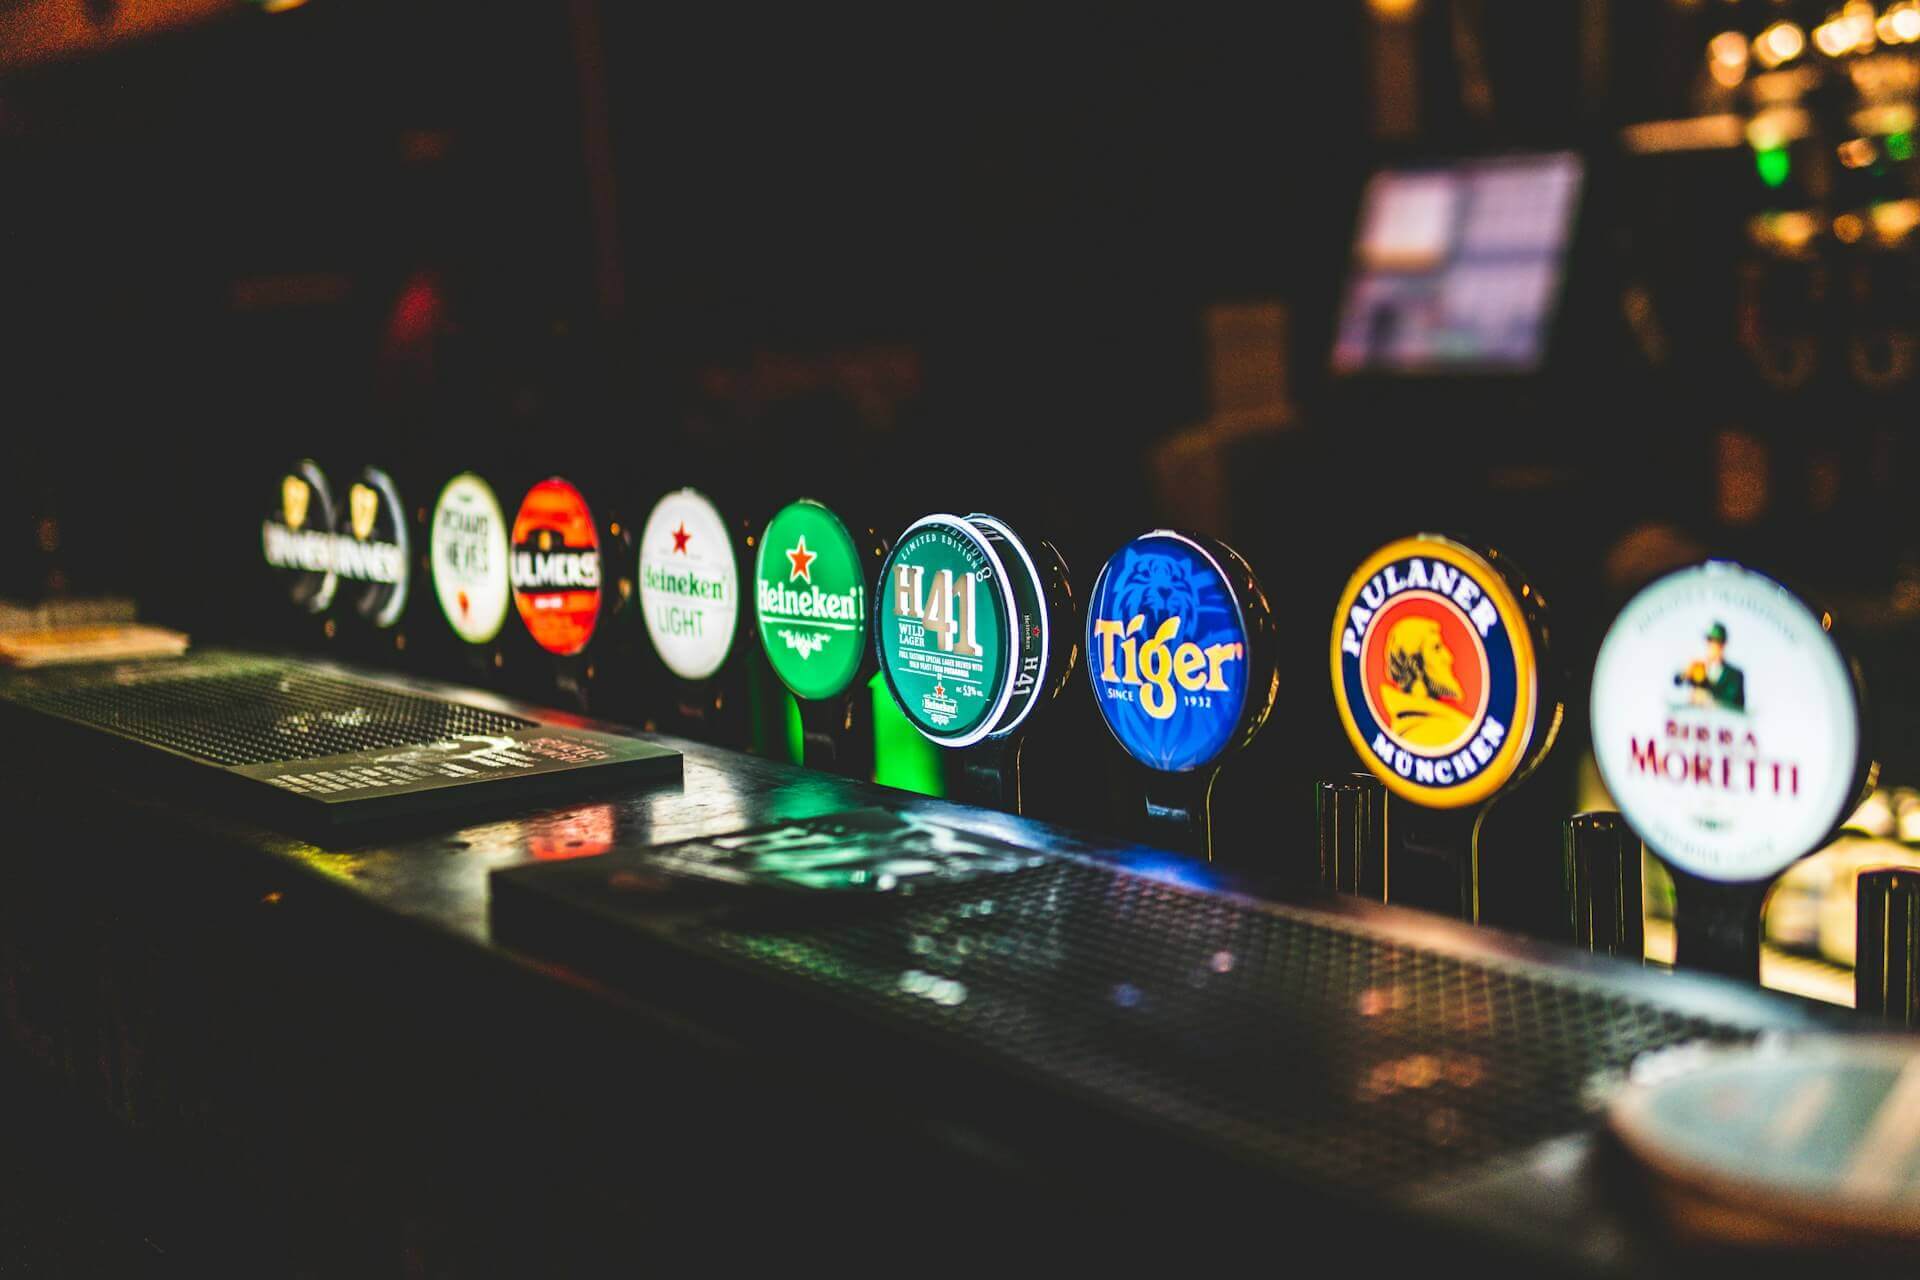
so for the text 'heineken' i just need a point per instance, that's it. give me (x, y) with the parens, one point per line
(811, 600)
(689, 584)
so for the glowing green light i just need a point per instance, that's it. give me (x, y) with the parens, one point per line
(901, 756)
(1899, 146)
(1773, 165)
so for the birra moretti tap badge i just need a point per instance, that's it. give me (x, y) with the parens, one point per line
(556, 567)
(1434, 672)
(468, 547)
(1167, 652)
(812, 600)
(1726, 722)
(689, 584)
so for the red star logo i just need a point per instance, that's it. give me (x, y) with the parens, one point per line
(802, 561)
(680, 537)
(939, 689)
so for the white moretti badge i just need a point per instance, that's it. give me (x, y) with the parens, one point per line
(1727, 723)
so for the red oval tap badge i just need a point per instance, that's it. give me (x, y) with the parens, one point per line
(1436, 673)
(556, 567)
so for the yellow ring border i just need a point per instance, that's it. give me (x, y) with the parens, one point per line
(1493, 584)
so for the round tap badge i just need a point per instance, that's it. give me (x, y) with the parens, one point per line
(812, 600)
(689, 584)
(1727, 722)
(947, 630)
(1177, 651)
(1435, 672)
(296, 538)
(555, 568)
(469, 554)
(370, 550)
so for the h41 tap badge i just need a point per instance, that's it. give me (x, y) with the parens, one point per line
(1435, 672)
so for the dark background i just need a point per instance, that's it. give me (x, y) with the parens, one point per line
(909, 261)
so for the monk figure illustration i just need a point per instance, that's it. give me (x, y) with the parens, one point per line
(1713, 681)
(1422, 690)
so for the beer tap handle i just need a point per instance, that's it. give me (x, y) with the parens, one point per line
(1887, 929)
(1601, 859)
(1352, 816)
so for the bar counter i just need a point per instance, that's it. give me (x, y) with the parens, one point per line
(321, 1056)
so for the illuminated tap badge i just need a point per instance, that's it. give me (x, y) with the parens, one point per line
(469, 552)
(689, 584)
(946, 630)
(555, 568)
(296, 537)
(1169, 652)
(1726, 722)
(1435, 672)
(812, 600)
(370, 551)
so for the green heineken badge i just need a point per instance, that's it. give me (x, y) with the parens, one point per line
(946, 631)
(812, 599)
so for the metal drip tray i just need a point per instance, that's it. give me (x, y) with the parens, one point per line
(318, 745)
(1334, 1051)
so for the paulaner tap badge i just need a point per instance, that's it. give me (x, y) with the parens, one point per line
(1436, 672)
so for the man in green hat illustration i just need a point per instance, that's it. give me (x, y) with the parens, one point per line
(1715, 681)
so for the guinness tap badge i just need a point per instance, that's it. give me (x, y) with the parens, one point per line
(376, 553)
(1436, 672)
(301, 538)
(304, 554)
(1727, 722)
(556, 567)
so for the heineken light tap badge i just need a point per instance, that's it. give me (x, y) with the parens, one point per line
(1436, 672)
(965, 628)
(811, 600)
(1727, 722)
(555, 568)
(1179, 651)
(689, 584)
(468, 550)
(297, 537)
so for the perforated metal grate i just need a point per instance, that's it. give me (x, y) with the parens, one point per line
(258, 711)
(1318, 1046)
